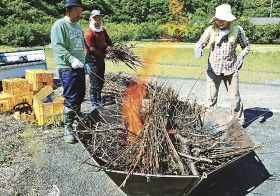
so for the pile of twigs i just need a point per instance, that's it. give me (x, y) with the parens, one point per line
(121, 52)
(174, 138)
(114, 87)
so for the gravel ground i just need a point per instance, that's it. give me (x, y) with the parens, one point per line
(259, 96)
(55, 168)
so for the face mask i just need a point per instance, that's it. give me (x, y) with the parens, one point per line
(95, 29)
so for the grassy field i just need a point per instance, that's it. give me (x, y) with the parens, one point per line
(262, 65)
(6, 48)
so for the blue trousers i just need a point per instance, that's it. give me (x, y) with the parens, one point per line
(73, 83)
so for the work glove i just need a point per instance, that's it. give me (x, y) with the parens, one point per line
(198, 52)
(239, 62)
(76, 63)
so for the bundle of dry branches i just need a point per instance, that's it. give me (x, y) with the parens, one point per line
(121, 52)
(174, 139)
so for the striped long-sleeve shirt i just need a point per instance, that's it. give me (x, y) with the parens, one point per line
(222, 55)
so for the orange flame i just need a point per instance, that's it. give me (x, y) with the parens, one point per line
(132, 107)
(137, 91)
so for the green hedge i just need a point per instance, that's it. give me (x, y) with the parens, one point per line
(25, 34)
(130, 31)
(22, 33)
(261, 34)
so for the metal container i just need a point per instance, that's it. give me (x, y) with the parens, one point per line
(172, 185)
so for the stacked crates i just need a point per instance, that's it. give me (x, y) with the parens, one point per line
(5, 102)
(38, 78)
(15, 91)
(48, 111)
(15, 86)
(47, 105)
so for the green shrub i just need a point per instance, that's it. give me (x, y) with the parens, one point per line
(149, 31)
(25, 34)
(267, 34)
(195, 31)
(122, 31)
(261, 34)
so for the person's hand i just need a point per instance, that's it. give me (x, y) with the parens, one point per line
(77, 64)
(198, 52)
(239, 62)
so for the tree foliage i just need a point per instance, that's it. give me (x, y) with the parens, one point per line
(28, 22)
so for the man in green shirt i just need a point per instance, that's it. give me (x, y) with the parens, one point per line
(67, 40)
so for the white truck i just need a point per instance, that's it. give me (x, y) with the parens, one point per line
(14, 64)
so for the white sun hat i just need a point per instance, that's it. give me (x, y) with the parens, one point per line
(223, 12)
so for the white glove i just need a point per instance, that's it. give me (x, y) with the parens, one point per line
(77, 64)
(239, 62)
(198, 52)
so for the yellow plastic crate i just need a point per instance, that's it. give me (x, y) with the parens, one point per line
(15, 86)
(8, 101)
(22, 98)
(43, 93)
(5, 102)
(39, 78)
(48, 113)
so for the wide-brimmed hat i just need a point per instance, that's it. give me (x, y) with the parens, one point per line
(73, 3)
(223, 12)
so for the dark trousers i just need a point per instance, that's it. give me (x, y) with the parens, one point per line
(73, 83)
(96, 71)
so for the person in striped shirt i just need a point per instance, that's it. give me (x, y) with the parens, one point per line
(223, 62)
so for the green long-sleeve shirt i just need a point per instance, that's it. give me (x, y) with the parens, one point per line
(67, 40)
